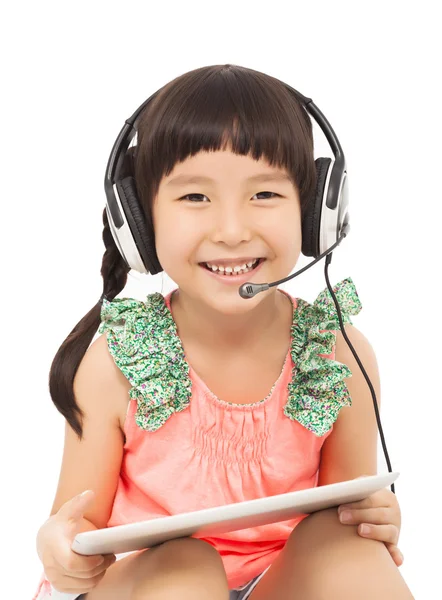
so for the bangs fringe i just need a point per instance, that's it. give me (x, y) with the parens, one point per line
(224, 107)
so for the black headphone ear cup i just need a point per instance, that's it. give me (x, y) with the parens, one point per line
(142, 233)
(311, 222)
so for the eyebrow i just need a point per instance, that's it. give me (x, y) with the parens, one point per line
(182, 179)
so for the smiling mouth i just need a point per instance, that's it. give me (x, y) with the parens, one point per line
(232, 273)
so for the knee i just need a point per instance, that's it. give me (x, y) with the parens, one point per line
(181, 554)
(323, 521)
(178, 566)
(322, 532)
(313, 526)
(322, 518)
(185, 551)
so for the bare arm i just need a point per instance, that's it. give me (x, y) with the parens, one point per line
(350, 450)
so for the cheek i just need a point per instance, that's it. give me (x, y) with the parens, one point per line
(287, 237)
(289, 248)
(174, 240)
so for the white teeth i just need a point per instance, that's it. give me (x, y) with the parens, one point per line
(235, 270)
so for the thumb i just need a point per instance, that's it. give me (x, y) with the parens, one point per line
(74, 508)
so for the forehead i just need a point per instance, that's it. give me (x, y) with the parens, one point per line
(215, 167)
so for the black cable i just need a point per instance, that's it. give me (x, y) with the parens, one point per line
(387, 458)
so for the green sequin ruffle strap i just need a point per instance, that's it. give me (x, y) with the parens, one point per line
(317, 390)
(143, 340)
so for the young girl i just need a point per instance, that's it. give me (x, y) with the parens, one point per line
(201, 398)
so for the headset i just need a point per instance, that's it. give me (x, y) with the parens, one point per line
(325, 221)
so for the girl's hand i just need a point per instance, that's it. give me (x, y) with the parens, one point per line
(65, 569)
(381, 513)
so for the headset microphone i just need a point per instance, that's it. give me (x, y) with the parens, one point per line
(248, 290)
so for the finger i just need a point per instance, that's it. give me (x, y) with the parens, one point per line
(74, 508)
(395, 553)
(109, 560)
(382, 533)
(377, 516)
(76, 564)
(73, 564)
(84, 567)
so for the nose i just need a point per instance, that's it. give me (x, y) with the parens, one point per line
(231, 225)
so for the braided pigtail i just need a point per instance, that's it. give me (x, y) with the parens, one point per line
(68, 358)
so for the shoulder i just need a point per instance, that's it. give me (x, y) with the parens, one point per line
(354, 334)
(99, 377)
(99, 361)
(366, 354)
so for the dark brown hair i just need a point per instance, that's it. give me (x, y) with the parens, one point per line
(209, 108)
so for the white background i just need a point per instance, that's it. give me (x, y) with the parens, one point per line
(73, 72)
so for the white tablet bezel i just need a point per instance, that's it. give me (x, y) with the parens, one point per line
(231, 517)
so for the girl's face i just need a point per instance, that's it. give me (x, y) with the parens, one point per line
(227, 215)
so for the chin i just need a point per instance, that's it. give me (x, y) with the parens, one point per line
(231, 303)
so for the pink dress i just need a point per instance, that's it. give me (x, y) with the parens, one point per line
(187, 450)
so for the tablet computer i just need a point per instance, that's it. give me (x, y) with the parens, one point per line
(230, 517)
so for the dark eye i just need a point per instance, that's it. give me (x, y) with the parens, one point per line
(273, 193)
(191, 195)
